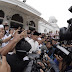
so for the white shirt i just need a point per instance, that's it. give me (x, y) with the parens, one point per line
(7, 31)
(39, 38)
(27, 38)
(34, 45)
(4, 44)
(57, 36)
(40, 45)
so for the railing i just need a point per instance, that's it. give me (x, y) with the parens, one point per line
(16, 22)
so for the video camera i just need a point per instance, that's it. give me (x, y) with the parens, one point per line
(66, 33)
(65, 37)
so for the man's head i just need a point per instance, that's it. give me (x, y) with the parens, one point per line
(56, 31)
(2, 29)
(22, 29)
(6, 22)
(40, 36)
(54, 41)
(6, 27)
(28, 32)
(49, 44)
(11, 31)
(35, 36)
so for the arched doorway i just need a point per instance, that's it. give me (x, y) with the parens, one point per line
(32, 25)
(1, 16)
(16, 21)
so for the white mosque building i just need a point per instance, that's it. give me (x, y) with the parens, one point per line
(16, 13)
(51, 25)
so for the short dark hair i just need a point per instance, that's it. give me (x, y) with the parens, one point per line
(50, 41)
(6, 26)
(36, 33)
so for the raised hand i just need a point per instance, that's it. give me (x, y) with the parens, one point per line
(41, 70)
(4, 66)
(59, 58)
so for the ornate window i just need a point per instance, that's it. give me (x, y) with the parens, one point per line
(1, 16)
(32, 25)
(16, 21)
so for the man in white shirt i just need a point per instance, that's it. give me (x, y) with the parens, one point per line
(57, 35)
(6, 28)
(34, 43)
(4, 38)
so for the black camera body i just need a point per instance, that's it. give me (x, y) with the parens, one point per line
(66, 33)
(70, 9)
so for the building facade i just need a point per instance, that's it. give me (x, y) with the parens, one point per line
(16, 13)
(46, 27)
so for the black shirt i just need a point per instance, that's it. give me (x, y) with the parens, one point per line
(16, 64)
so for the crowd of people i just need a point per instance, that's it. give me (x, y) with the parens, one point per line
(15, 43)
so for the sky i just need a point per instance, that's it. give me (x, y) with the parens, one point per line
(57, 8)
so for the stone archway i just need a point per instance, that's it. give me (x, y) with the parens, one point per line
(16, 21)
(32, 25)
(2, 14)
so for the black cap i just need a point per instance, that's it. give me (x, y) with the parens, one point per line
(55, 39)
(23, 45)
(6, 25)
(36, 33)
